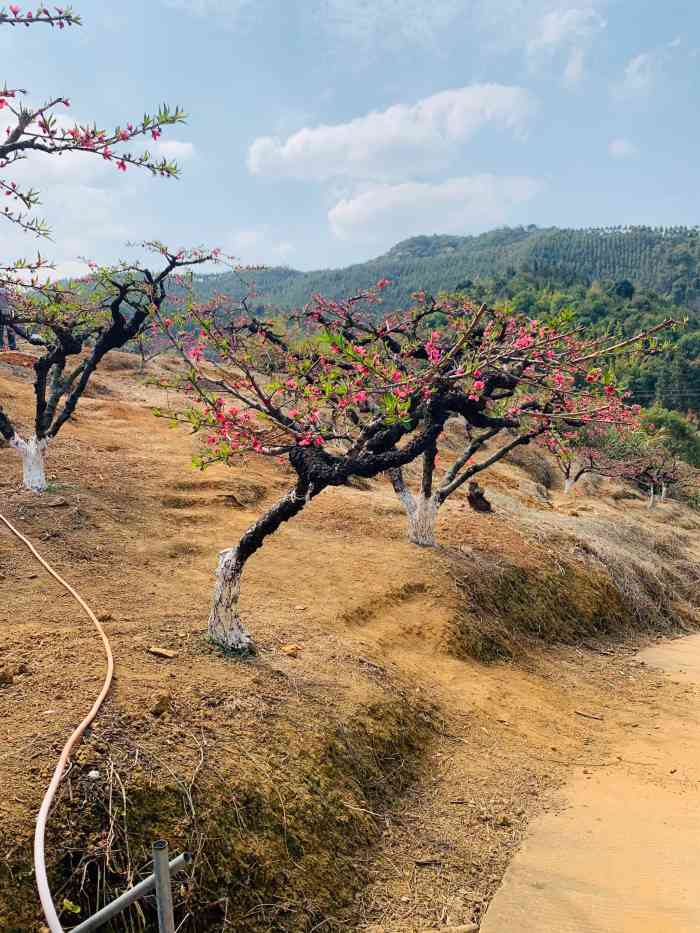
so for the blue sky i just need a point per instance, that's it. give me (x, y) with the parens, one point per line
(321, 132)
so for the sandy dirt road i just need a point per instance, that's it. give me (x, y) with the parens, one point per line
(621, 850)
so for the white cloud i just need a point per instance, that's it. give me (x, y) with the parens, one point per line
(257, 247)
(371, 27)
(366, 24)
(283, 250)
(68, 270)
(392, 23)
(568, 30)
(643, 71)
(640, 74)
(211, 7)
(560, 26)
(245, 239)
(395, 142)
(537, 23)
(532, 25)
(175, 149)
(575, 67)
(621, 148)
(387, 213)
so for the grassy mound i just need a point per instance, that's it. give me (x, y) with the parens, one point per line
(510, 605)
(591, 578)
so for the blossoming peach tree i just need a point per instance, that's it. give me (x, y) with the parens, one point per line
(343, 391)
(73, 326)
(645, 457)
(586, 449)
(530, 380)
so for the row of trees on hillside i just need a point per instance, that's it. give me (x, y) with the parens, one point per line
(633, 453)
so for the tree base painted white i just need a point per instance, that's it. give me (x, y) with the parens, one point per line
(421, 521)
(33, 453)
(664, 492)
(225, 628)
(568, 485)
(651, 501)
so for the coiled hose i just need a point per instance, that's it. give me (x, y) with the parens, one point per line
(39, 858)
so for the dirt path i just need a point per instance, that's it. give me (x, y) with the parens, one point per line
(621, 852)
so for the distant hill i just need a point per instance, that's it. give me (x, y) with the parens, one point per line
(663, 259)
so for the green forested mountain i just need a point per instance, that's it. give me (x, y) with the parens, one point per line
(664, 259)
(623, 279)
(670, 377)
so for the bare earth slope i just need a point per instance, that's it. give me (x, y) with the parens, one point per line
(380, 774)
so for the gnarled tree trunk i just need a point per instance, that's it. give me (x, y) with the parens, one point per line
(421, 510)
(225, 628)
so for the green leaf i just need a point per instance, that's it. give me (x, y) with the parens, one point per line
(70, 906)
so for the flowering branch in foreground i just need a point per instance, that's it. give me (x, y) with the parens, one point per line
(60, 16)
(42, 129)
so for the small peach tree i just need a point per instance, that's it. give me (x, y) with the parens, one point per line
(73, 326)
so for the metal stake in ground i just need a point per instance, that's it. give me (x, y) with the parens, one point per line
(119, 905)
(164, 894)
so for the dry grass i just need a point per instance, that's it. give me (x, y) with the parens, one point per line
(646, 558)
(532, 461)
(508, 606)
(274, 843)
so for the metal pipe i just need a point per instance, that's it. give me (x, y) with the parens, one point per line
(164, 892)
(125, 900)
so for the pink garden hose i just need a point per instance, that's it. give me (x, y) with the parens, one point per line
(39, 858)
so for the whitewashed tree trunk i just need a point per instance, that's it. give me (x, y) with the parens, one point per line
(33, 453)
(652, 498)
(664, 491)
(225, 628)
(406, 499)
(422, 520)
(568, 484)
